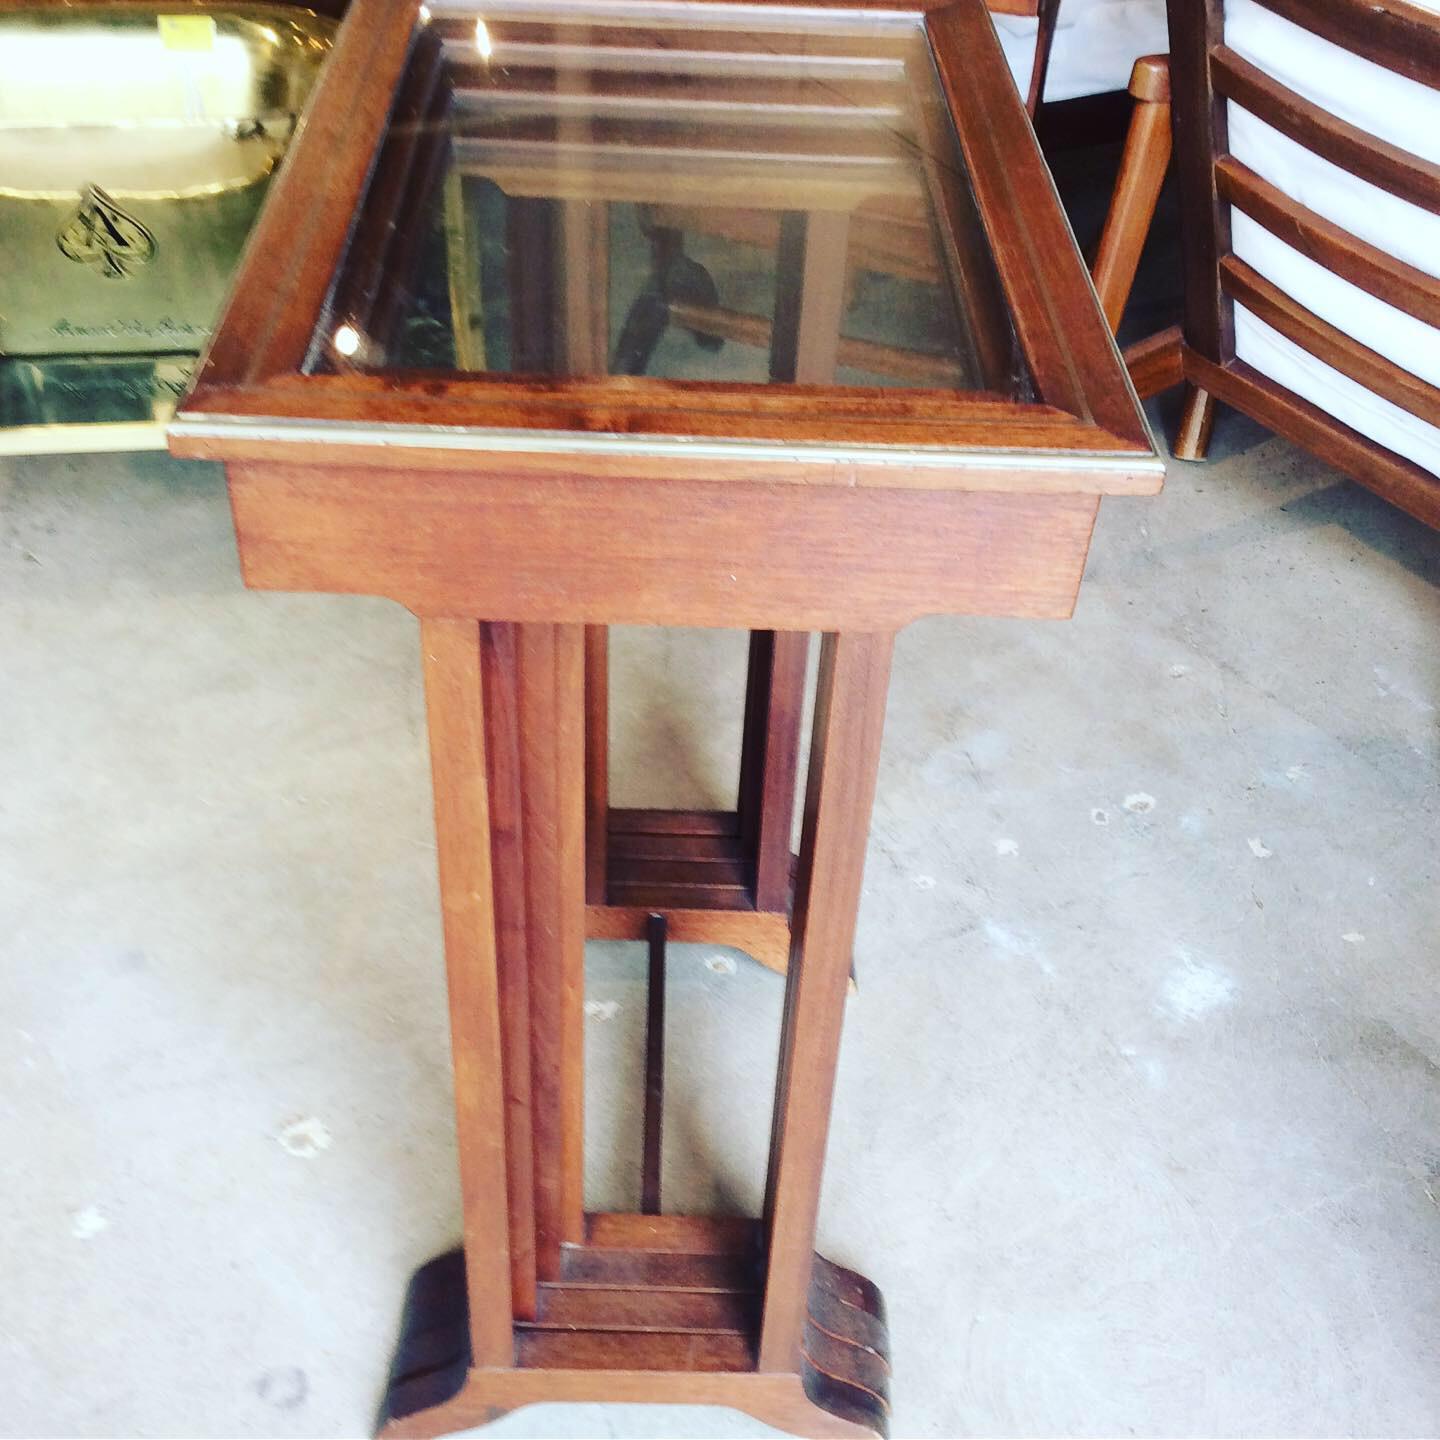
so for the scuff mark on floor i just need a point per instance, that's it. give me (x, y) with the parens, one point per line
(86, 1224)
(304, 1138)
(1192, 990)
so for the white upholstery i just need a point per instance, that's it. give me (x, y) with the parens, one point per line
(1391, 106)
(1336, 394)
(1365, 210)
(1096, 44)
(1393, 333)
(1382, 103)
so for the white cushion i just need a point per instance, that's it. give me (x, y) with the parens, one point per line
(1381, 103)
(1377, 100)
(1323, 386)
(1097, 43)
(1365, 210)
(1398, 336)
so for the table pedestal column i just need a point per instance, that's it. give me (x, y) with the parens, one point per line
(544, 1302)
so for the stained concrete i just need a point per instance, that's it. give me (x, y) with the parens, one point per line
(1139, 1099)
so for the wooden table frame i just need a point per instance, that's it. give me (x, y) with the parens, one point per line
(787, 509)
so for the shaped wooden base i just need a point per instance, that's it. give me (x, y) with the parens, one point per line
(649, 1309)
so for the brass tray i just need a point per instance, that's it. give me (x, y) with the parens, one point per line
(127, 191)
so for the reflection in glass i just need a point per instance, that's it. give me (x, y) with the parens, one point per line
(649, 197)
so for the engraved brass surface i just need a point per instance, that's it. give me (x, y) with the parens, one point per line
(136, 144)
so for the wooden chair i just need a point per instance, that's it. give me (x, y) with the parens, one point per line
(1308, 153)
(1065, 57)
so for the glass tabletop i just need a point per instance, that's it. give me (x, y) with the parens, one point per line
(750, 197)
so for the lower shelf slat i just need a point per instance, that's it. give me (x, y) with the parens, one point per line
(695, 1312)
(632, 1269)
(608, 1350)
(673, 822)
(649, 895)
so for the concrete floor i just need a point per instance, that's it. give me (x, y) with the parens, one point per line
(1139, 1112)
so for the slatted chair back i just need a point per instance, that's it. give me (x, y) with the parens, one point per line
(1307, 143)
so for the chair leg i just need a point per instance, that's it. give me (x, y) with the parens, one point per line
(1197, 418)
(1137, 187)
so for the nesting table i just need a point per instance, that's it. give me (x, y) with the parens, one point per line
(570, 315)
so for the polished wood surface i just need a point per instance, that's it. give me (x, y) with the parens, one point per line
(500, 690)
(654, 1132)
(1047, 14)
(660, 1314)
(597, 761)
(1068, 346)
(763, 935)
(1074, 370)
(1197, 420)
(413, 536)
(844, 758)
(550, 705)
(454, 705)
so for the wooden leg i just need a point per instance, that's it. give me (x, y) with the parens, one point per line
(498, 669)
(455, 705)
(845, 753)
(1137, 187)
(597, 762)
(1197, 419)
(769, 758)
(651, 1155)
(551, 666)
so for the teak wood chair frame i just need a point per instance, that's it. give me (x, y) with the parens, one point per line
(1403, 38)
(787, 509)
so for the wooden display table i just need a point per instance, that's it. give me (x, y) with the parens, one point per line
(413, 392)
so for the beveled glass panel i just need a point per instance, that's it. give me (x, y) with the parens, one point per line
(722, 193)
